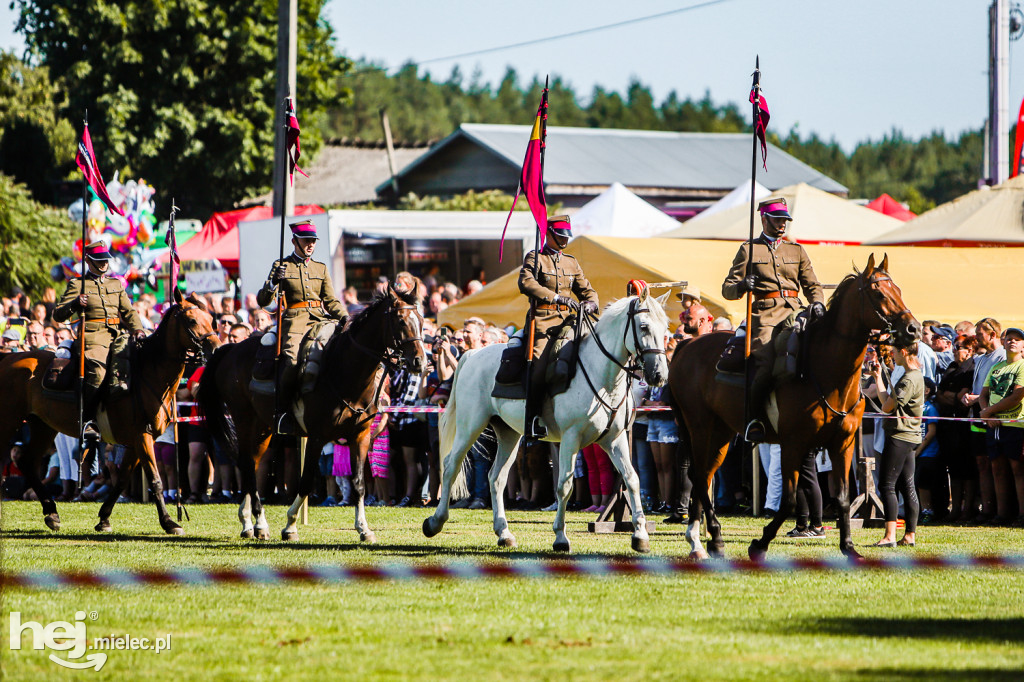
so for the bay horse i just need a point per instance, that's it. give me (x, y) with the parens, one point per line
(132, 419)
(596, 408)
(822, 410)
(342, 404)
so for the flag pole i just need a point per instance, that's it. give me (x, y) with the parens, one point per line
(81, 328)
(172, 284)
(532, 331)
(280, 258)
(756, 98)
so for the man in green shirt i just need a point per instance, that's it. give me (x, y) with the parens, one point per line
(1001, 402)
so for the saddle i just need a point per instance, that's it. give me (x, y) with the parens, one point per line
(61, 376)
(311, 351)
(556, 366)
(785, 354)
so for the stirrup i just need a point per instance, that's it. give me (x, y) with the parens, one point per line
(535, 433)
(285, 424)
(755, 432)
(91, 432)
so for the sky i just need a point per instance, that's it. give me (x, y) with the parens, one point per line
(851, 71)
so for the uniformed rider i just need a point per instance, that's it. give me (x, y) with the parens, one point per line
(779, 271)
(308, 298)
(105, 305)
(550, 279)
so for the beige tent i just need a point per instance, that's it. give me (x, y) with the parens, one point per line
(987, 216)
(818, 218)
(943, 284)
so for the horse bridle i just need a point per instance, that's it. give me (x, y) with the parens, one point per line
(887, 329)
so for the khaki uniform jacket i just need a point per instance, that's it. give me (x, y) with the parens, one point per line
(559, 275)
(304, 281)
(786, 267)
(108, 310)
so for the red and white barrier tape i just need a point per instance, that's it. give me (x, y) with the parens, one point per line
(588, 568)
(409, 409)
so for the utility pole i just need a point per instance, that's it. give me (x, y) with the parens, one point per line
(999, 92)
(287, 41)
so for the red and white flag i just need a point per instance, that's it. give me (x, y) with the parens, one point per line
(86, 160)
(291, 141)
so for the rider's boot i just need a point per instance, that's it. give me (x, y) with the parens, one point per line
(90, 430)
(535, 431)
(284, 420)
(756, 432)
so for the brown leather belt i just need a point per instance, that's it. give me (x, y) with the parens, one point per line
(306, 304)
(553, 306)
(105, 320)
(785, 293)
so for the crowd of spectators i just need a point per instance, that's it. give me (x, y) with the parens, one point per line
(967, 472)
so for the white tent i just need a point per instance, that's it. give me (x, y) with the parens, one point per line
(738, 197)
(617, 212)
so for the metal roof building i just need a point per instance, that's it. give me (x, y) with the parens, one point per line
(661, 167)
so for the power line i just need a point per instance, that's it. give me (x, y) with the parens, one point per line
(571, 34)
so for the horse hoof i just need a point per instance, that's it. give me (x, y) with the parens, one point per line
(641, 545)
(263, 534)
(174, 529)
(246, 534)
(698, 555)
(368, 537)
(289, 535)
(103, 527)
(756, 552)
(52, 521)
(853, 555)
(717, 551)
(429, 529)
(509, 541)
(561, 547)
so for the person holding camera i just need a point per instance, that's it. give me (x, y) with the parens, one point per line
(902, 436)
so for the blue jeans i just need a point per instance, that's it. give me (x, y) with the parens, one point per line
(481, 457)
(643, 460)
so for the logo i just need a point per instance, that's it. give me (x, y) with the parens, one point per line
(71, 637)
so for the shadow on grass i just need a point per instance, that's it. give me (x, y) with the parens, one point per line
(994, 630)
(940, 674)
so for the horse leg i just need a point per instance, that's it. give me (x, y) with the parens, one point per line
(32, 453)
(508, 447)
(144, 445)
(710, 445)
(464, 439)
(841, 481)
(363, 447)
(618, 451)
(567, 451)
(791, 458)
(121, 477)
(309, 473)
(251, 487)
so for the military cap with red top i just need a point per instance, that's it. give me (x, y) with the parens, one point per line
(775, 208)
(559, 224)
(304, 230)
(97, 251)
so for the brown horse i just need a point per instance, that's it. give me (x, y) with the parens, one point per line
(132, 419)
(342, 404)
(822, 410)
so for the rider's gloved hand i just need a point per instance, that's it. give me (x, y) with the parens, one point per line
(589, 307)
(279, 274)
(747, 283)
(567, 302)
(139, 335)
(816, 311)
(83, 301)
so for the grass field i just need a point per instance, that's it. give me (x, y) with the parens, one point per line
(864, 625)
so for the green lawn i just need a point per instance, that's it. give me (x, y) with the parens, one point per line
(865, 625)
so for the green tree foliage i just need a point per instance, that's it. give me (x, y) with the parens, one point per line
(182, 92)
(33, 238)
(37, 147)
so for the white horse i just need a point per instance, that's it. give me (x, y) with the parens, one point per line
(596, 408)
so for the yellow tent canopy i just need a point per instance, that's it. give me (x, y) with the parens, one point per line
(938, 283)
(818, 218)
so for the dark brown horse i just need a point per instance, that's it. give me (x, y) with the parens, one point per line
(132, 419)
(342, 403)
(823, 410)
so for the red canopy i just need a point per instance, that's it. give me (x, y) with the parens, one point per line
(890, 207)
(219, 237)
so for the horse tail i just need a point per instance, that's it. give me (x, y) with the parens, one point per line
(219, 428)
(446, 430)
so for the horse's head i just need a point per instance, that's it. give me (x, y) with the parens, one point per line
(406, 327)
(191, 325)
(645, 333)
(882, 304)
